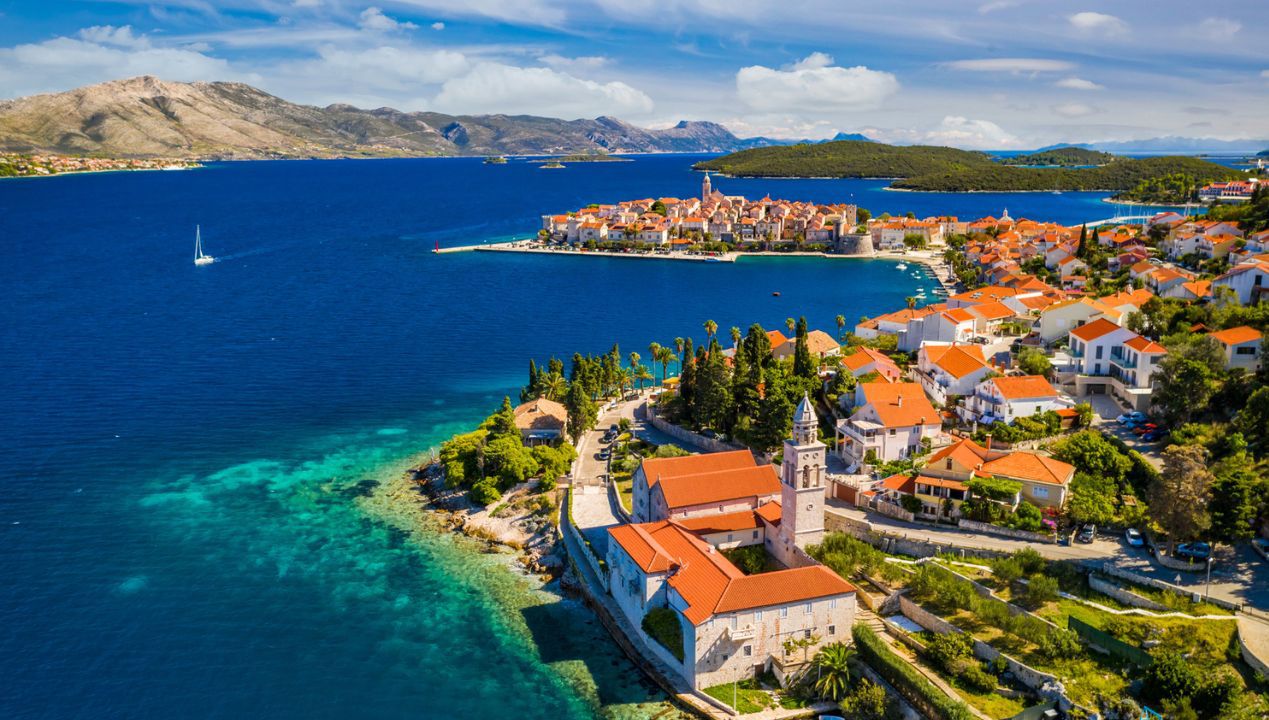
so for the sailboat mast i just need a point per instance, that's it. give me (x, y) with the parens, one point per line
(198, 242)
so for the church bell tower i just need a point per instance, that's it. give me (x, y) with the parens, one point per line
(803, 475)
(706, 189)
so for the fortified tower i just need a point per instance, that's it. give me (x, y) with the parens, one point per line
(802, 478)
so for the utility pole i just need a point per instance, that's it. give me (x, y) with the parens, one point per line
(1207, 594)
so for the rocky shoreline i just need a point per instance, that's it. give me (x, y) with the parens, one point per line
(522, 523)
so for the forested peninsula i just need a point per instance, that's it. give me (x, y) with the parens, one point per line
(943, 169)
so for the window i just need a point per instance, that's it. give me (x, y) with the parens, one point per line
(949, 463)
(1040, 492)
(730, 537)
(1099, 351)
(757, 616)
(748, 650)
(1249, 350)
(806, 634)
(832, 603)
(784, 612)
(733, 622)
(755, 534)
(808, 608)
(832, 629)
(892, 432)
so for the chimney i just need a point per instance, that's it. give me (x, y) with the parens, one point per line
(899, 401)
(988, 442)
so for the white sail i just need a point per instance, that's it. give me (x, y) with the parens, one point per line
(199, 257)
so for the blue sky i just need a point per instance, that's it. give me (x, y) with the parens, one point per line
(982, 74)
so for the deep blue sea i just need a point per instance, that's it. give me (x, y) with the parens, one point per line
(180, 535)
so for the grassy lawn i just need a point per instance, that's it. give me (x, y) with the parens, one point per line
(747, 700)
(625, 490)
(991, 704)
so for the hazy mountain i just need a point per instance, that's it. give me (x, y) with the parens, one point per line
(148, 116)
(1170, 145)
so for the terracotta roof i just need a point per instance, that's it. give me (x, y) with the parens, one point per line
(902, 483)
(541, 414)
(1199, 288)
(726, 522)
(1237, 336)
(820, 342)
(958, 315)
(1023, 387)
(1029, 466)
(771, 512)
(657, 468)
(1136, 298)
(900, 404)
(994, 310)
(865, 356)
(776, 338)
(709, 583)
(1145, 345)
(722, 485)
(1095, 329)
(941, 482)
(966, 453)
(956, 360)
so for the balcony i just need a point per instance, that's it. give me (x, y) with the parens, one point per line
(748, 632)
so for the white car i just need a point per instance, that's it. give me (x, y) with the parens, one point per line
(1133, 538)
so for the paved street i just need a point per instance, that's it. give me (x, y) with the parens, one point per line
(1105, 410)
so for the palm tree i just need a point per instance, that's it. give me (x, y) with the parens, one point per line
(711, 327)
(790, 323)
(664, 356)
(911, 301)
(554, 386)
(735, 336)
(678, 344)
(832, 666)
(654, 351)
(841, 326)
(634, 367)
(642, 373)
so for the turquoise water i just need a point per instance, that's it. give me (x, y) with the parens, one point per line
(188, 450)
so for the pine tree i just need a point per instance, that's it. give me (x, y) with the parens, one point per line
(775, 412)
(503, 423)
(713, 404)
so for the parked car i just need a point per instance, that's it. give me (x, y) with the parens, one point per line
(1155, 435)
(1132, 417)
(1262, 546)
(1197, 550)
(1143, 429)
(1133, 538)
(1087, 533)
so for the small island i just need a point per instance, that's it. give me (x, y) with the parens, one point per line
(495, 160)
(552, 165)
(582, 157)
(944, 169)
(23, 165)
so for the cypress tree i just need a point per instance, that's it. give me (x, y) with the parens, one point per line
(533, 389)
(803, 365)
(687, 377)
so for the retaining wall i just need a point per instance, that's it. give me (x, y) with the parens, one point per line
(1132, 577)
(687, 436)
(975, 526)
(1122, 595)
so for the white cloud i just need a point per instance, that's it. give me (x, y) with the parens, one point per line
(111, 35)
(1073, 110)
(1010, 65)
(1264, 73)
(438, 25)
(1076, 83)
(953, 130)
(994, 5)
(576, 65)
(1098, 22)
(1219, 28)
(63, 63)
(493, 87)
(373, 19)
(814, 86)
(306, 3)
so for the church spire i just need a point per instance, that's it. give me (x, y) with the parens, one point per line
(706, 190)
(805, 423)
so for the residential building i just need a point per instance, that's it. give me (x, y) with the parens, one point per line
(889, 423)
(945, 369)
(1249, 281)
(1006, 398)
(865, 360)
(1106, 358)
(1242, 345)
(541, 421)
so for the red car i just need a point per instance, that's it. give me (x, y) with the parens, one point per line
(1143, 429)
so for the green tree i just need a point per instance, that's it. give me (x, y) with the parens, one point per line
(462, 457)
(1178, 499)
(503, 423)
(553, 463)
(1253, 421)
(832, 670)
(1033, 361)
(532, 390)
(713, 402)
(1187, 377)
(868, 701)
(1169, 677)
(711, 329)
(841, 327)
(582, 411)
(774, 419)
(1090, 452)
(1237, 494)
(509, 460)
(803, 365)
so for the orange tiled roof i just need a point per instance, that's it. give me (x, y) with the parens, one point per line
(725, 522)
(1145, 345)
(820, 342)
(966, 453)
(1029, 466)
(1237, 336)
(722, 485)
(957, 360)
(1023, 387)
(900, 404)
(540, 414)
(1095, 329)
(657, 468)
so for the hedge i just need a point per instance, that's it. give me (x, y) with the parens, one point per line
(912, 685)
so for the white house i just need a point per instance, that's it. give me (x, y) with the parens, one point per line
(1249, 281)
(1107, 358)
(945, 369)
(889, 423)
(1005, 399)
(1242, 346)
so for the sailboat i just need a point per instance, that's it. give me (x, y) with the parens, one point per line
(199, 257)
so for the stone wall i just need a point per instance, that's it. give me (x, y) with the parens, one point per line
(688, 437)
(1113, 571)
(855, 244)
(990, 529)
(898, 544)
(1259, 663)
(1123, 595)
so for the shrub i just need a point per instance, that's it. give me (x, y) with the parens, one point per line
(868, 701)
(911, 503)
(1006, 570)
(912, 685)
(1169, 677)
(847, 556)
(1041, 589)
(977, 678)
(751, 559)
(485, 492)
(1056, 644)
(948, 648)
(1026, 517)
(1031, 560)
(662, 625)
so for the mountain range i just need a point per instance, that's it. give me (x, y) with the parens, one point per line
(1170, 145)
(146, 116)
